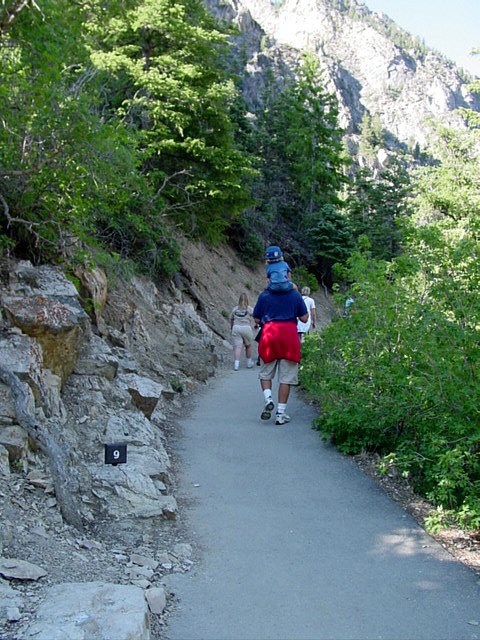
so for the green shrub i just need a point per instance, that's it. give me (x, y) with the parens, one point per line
(303, 278)
(400, 376)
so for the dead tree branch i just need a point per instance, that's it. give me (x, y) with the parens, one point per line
(167, 179)
(56, 456)
(60, 245)
(11, 12)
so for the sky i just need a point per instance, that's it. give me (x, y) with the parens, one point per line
(449, 26)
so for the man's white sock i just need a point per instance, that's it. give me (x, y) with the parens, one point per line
(267, 394)
(281, 407)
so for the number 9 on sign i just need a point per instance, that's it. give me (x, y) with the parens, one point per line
(116, 453)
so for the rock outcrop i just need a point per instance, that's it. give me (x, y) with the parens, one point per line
(117, 376)
(367, 61)
(84, 398)
(91, 611)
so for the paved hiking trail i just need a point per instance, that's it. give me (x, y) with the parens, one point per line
(295, 542)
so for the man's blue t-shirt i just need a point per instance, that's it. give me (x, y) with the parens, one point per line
(283, 306)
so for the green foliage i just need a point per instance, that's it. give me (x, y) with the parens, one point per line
(251, 248)
(165, 59)
(302, 162)
(6, 246)
(472, 117)
(314, 146)
(376, 207)
(449, 189)
(329, 235)
(303, 278)
(118, 126)
(175, 383)
(437, 520)
(69, 177)
(401, 374)
(372, 137)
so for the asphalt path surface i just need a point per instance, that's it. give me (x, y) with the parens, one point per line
(295, 542)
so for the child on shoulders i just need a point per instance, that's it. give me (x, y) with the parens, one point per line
(278, 271)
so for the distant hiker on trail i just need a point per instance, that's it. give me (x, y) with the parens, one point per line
(304, 327)
(277, 313)
(278, 271)
(348, 303)
(242, 332)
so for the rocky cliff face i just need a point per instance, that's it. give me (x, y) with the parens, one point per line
(362, 63)
(102, 363)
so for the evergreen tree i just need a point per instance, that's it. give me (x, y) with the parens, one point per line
(330, 239)
(165, 60)
(372, 137)
(314, 146)
(303, 159)
(377, 206)
(274, 191)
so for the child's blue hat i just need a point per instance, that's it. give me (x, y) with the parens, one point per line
(273, 253)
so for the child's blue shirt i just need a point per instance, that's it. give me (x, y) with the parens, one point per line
(278, 276)
(281, 265)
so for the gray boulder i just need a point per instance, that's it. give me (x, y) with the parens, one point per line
(92, 611)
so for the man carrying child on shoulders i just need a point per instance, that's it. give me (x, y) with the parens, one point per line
(277, 311)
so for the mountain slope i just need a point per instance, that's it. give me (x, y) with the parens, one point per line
(368, 61)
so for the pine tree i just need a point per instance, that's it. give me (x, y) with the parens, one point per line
(165, 62)
(330, 239)
(376, 207)
(302, 158)
(372, 136)
(314, 146)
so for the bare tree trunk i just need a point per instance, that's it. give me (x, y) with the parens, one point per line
(11, 12)
(56, 456)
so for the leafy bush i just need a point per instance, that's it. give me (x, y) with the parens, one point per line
(303, 278)
(252, 249)
(401, 374)
(101, 146)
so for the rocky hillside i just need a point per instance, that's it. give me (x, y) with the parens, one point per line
(90, 367)
(83, 541)
(85, 546)
(368, 61)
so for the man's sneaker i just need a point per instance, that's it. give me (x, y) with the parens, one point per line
(267, 410)
(282, 418)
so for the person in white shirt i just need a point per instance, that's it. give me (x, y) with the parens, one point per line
(348, 303)
(304, 327)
